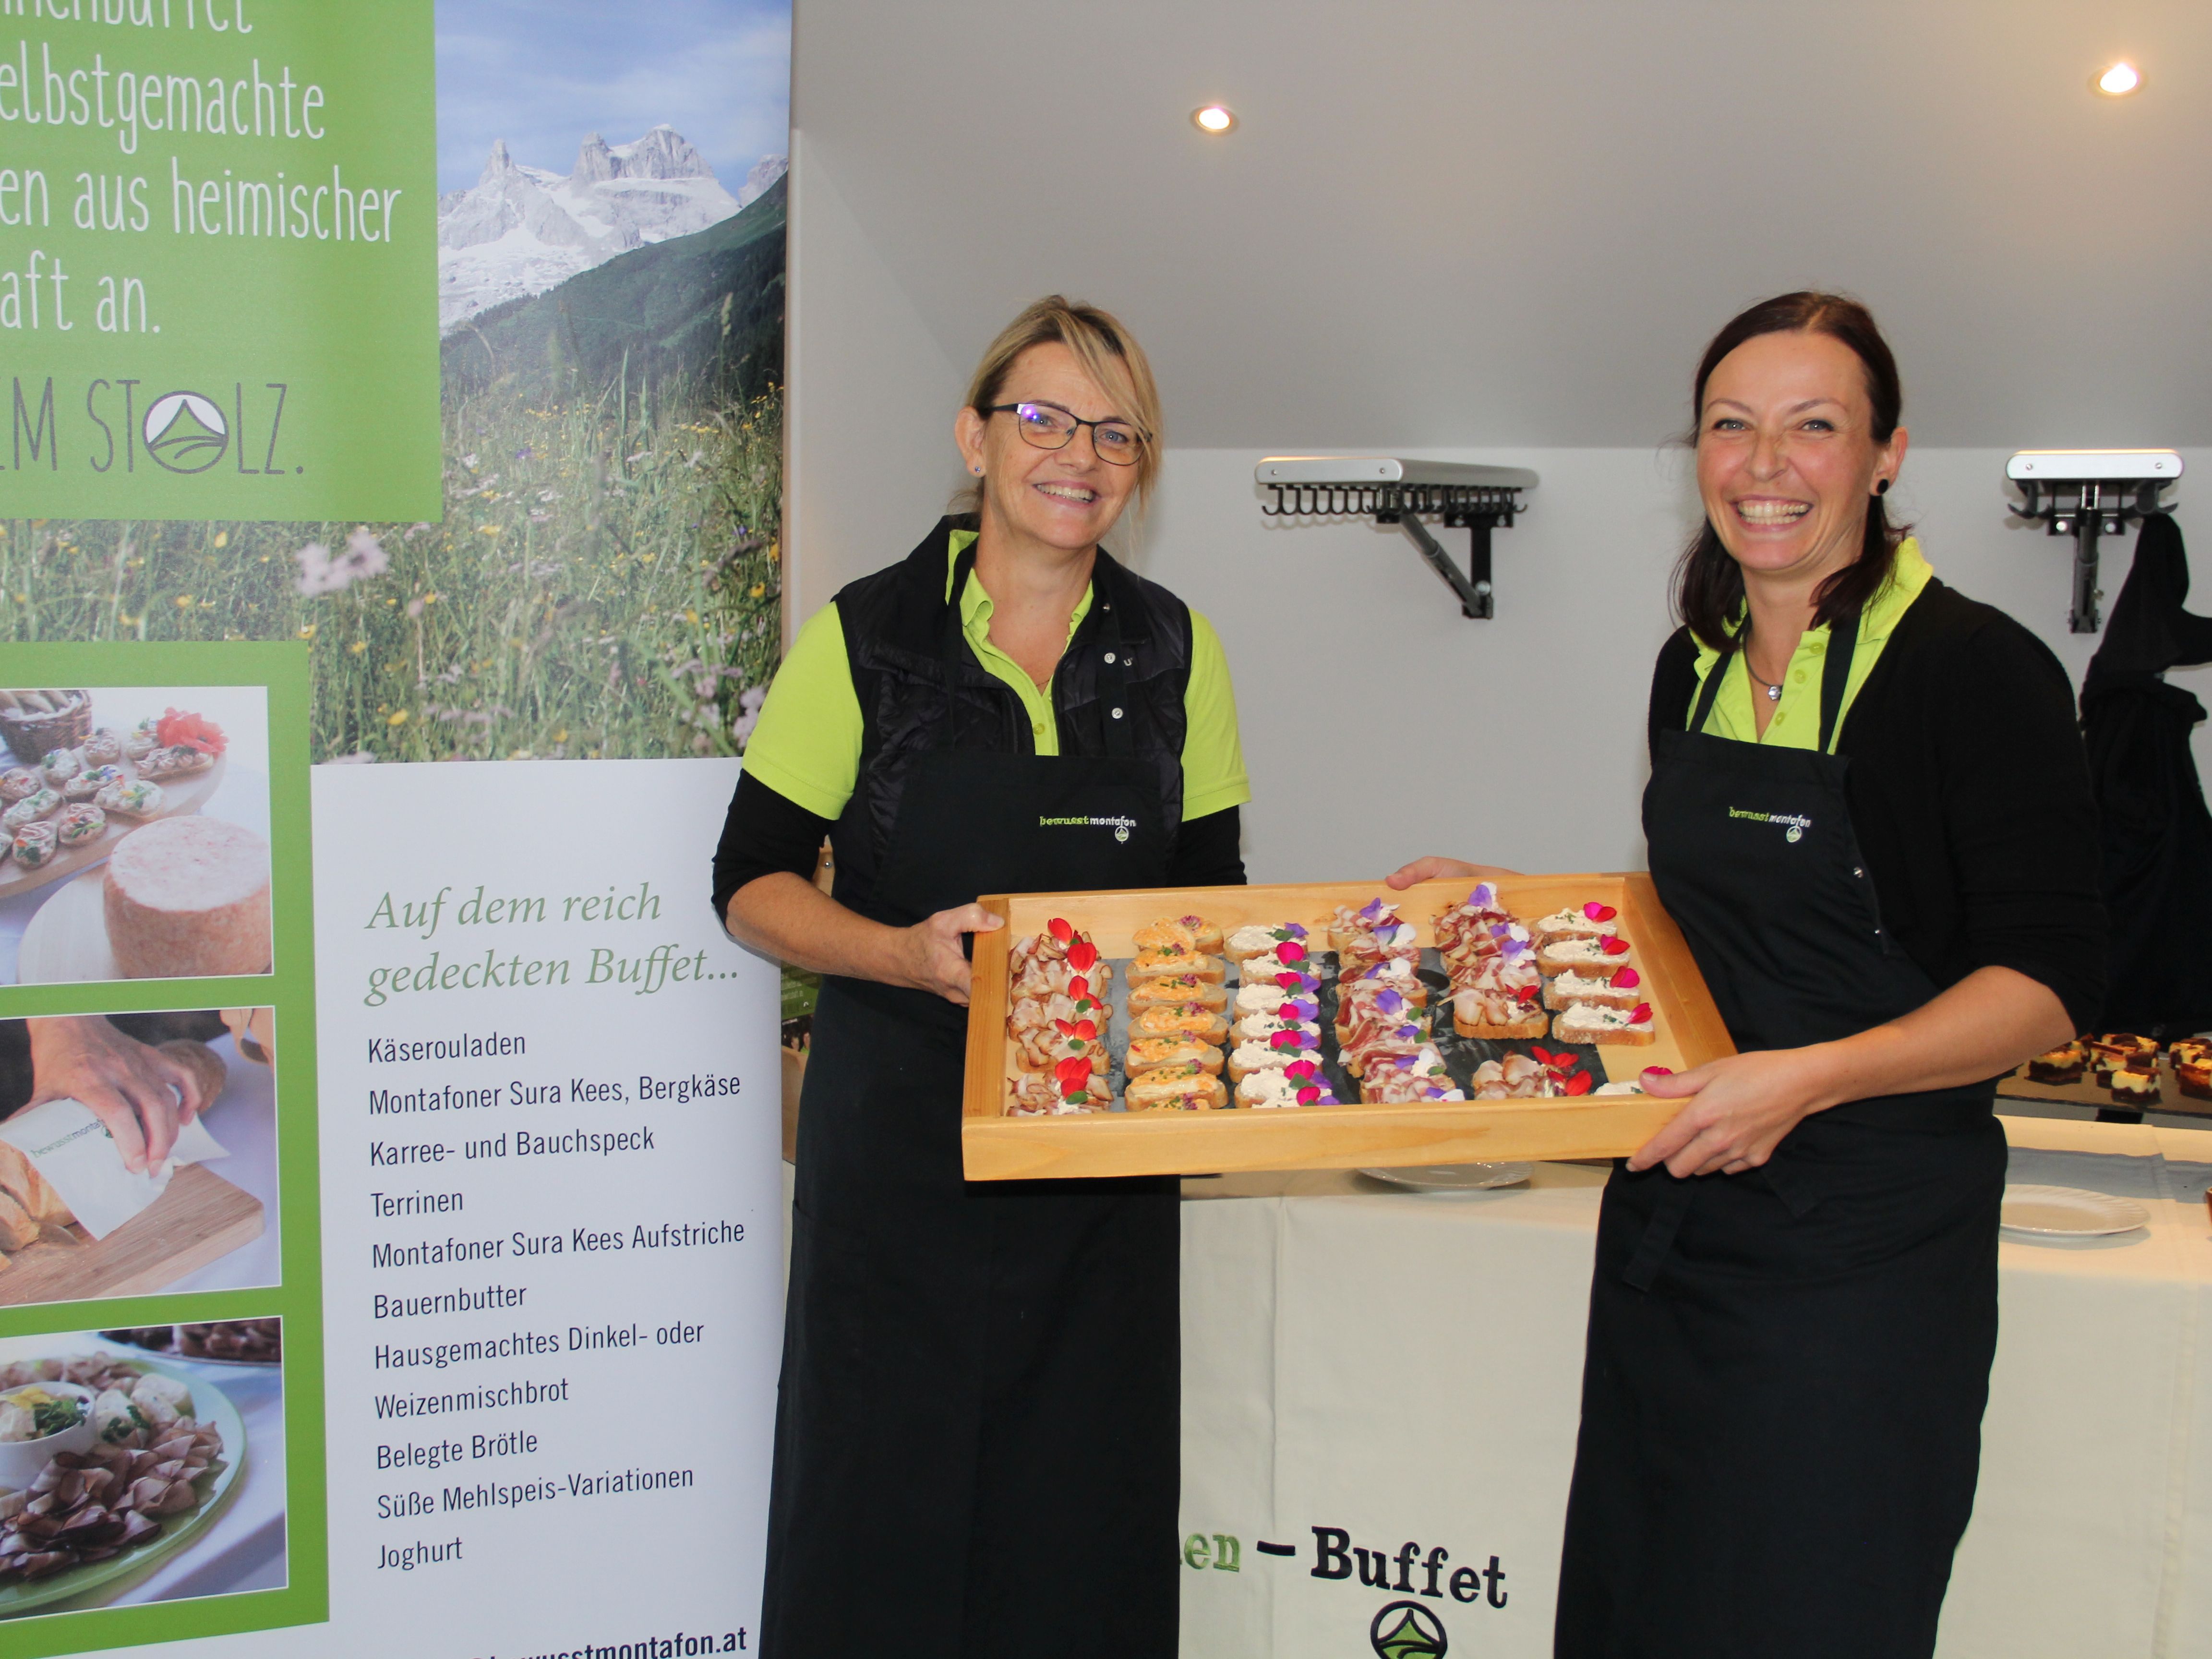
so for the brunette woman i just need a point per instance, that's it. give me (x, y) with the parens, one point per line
(1870, 813)
(976, 1439)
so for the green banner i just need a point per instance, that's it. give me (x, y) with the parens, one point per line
(217, 244)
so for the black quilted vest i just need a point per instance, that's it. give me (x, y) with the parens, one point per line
(894, 624)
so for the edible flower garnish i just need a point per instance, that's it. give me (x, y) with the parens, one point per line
(1298, 1008)
(1371, 909)
(1060, 928)
(1389, 1002)
(1082, 956)
(1079, 988)
(1290, 951)
(1627, 980)
(1639, 1014)
(1073, 1072)
(1308, 1095)
(1597, 912)
(1527, 994)
(1579, 1084)
(1290, 930)
(1613, 945)
(1483, 897)
(1299, 1069)
(179, 730)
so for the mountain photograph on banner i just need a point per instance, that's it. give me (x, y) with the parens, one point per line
(606, 580)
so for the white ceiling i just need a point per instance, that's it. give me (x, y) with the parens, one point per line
(1518, 221)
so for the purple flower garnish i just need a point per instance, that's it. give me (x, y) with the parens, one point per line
(1483, 897)
(1292, 930)
(1408, 1034)
(1298, 1008)
(1389, 1002)
(1371, 909)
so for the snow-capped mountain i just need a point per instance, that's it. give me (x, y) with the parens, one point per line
(519, 230)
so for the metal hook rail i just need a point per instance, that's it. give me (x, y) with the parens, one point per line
(2087, 495)
(1478, 500)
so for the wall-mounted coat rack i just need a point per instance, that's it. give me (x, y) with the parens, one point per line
(1466, 496)
(2088, 494)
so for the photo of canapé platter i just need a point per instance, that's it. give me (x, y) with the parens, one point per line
(1328, 1025)
(108, 1466)
(112, 865)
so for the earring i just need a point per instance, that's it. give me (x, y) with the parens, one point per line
(977, 471)
(1881, 486)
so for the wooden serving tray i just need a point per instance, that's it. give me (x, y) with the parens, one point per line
(996, 1147)
(178, 797)
(199, 1218)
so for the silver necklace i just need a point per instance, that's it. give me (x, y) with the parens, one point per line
(1773, 692)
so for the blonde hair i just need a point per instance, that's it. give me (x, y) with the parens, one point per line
(1109, 354)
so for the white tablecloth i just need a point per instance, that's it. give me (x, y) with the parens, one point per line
(1404, 1370)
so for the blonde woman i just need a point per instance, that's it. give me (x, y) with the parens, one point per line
(976, 1439)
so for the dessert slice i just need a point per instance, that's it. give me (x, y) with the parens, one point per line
(2194, 1077)
(1585, 1024)
(2063, 1064)
(2134, 1088)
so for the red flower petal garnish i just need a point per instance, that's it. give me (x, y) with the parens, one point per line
(1066, 1027)
(1627, 980)
(177, 729)
(1639, 1014)
(1289, 982)
(1074, 1071)
(1087, 1030)
(1081, 955)
(1579, 1084)
(1079, 988)
(1307, 1096)
(1597, 912)
(1291, 951)
(1298, 1070)
(1527, 994)
(1285, 1039)
(1613, 945)
(1060, 928)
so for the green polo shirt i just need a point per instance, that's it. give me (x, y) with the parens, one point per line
(1796, 723)
(807, 745)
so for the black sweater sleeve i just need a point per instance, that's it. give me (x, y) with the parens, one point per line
(2020, 823)
(764, 832)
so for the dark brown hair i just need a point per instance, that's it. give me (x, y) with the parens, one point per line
(1708, 582)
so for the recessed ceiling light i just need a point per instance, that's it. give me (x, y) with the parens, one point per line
(1215, 118)
(2118, 81)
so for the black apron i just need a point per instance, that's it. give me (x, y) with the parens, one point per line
(977, 1449)
(1782, 1391)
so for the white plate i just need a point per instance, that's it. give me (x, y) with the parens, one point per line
(2069, 1212)
(1452, 1177)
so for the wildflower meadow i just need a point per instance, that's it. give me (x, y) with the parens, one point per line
(605, 583)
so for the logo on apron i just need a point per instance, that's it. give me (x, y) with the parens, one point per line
(1120, 826)
(1794, 825)
(1406, 1630)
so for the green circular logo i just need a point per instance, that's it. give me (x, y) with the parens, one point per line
(1406, 1630)
(186, 432)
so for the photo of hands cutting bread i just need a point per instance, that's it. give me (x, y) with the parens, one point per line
(133, 833)
(126, 1475)
(137, 1153)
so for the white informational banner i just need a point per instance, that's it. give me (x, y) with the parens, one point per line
(551, 1218)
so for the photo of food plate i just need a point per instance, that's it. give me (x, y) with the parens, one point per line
(137, 1153)
(133, 833)
(127, 1478)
